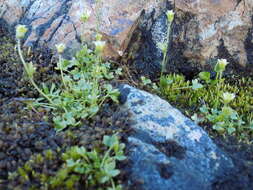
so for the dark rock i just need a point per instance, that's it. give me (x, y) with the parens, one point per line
(202, 32)
(167, 150)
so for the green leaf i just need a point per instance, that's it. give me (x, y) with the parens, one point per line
(81, 150)
(108, 87)
(119, 72)
(196, 119)
(145, 81)
(205, 76)
(231, 130)
(59, 123)
(45, 88)
(204, 109)
(218, 127)
(113, 173)
(80, 170)
(93, 109)
(30, 69)
(110, 141)
(165, 81)
(196, 85)
(71, 163)
(109, 166)
(104, 179)
(120, 157)
(83, 85)
(66, 64)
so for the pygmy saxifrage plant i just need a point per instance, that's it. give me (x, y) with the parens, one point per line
(211, 101)
(79, 167)
(84, 88)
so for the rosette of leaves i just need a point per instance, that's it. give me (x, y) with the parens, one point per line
(84, 89)
(93, 169)
(225, 120)
(75, 168)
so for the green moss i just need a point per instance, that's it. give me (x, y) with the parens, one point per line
(177, 90)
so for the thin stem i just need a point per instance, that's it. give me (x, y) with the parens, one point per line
(187, 87)
(103, 100)
(30, 78)
(40, 91)
(106, 155)
(60, 63)
(113, 184)
(21, 56)
(165, 53)
(219, 78)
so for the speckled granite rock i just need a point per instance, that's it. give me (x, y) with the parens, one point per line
(54, 21)
(167, 150)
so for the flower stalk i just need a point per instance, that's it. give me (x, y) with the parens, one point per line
(29, 68)
(164, 46)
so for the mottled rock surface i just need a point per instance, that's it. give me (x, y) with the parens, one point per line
(167, 150)
(202, 32)
(216, 29)
(54, 21)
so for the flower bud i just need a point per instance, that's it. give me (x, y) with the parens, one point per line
(228, 97)
(170, 15)
(30, 69)
(98, 37)
(85, 16)
(60, 48)
(220, 65)
(21, 31)
(99, 45)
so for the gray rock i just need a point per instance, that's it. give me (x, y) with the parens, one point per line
(202, 32)
(168, 150)
(58, 21)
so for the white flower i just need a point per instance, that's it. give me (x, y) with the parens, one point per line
(120, 53)
(99, 45)
(228, 97)
(60, 48)
(21, 31)
(170, 15)
(221, 65)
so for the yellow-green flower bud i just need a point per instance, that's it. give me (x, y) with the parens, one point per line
(85, 16)
(60, 48)
(170, 15)
(228, 97)
(30, 69)
(99, 37)
(220, 65)
(99, 45)
(21, 31)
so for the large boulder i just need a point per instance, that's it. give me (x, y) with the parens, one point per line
(55, 21)
(202, 32)
(167, 150)
(215, 29)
